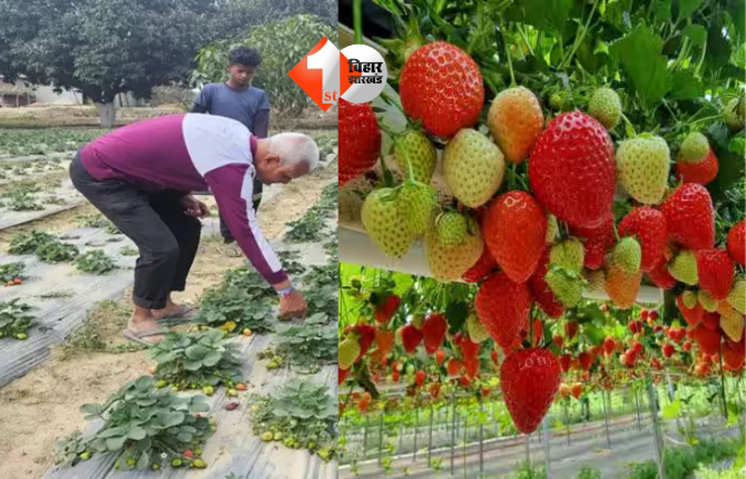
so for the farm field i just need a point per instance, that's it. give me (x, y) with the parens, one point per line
(75, 279)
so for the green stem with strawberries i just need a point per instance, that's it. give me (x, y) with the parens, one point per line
(357, 20)
(578, 38)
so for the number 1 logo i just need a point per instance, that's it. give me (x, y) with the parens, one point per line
(318, 74)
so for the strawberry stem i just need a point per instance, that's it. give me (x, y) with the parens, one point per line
(357, 20)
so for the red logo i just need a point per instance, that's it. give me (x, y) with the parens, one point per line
(318, 74)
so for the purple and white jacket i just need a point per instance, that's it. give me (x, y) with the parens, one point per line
(191, 152)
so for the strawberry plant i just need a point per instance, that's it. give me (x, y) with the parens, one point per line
(195, 361)
(12, 273)
(300, 414)
(22, 200)
(95, 262)
(28, 243)
(144, 426)
(307, 346)
(289, 260)
(306, 229)
(98, 221)
(242, 300)
(128, 251)
(55, 251)
(15, 319)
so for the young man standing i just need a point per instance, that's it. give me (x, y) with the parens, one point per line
(237, 99)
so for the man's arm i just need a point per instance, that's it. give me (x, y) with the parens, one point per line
(232, 186)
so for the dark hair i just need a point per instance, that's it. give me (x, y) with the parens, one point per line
(244, 56)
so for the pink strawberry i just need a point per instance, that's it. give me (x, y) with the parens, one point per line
(715, 270)
(434, 332)
(529, 380)
(359, 140)
(515, 230)
(572, 170)
(648, 225)
(541, 292)
(690, 217)
(503, 307)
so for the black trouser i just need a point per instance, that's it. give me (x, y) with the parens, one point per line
(166, 237)
(256, 201)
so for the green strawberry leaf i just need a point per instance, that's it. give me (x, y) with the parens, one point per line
(639, 54)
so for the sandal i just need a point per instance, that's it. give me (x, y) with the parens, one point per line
(183, 316)
(138, 336)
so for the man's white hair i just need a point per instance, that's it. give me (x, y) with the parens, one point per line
(293, 148)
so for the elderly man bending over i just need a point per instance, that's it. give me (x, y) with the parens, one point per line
(140, 177)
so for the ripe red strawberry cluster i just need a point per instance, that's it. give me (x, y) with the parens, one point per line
(547, 242)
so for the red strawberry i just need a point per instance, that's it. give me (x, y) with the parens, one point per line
(386, 310)
(653, 315)
(503, 307)
(643, 313)
(529, 380)
(366, 334)
(469, 349)
(635, 327)
(484, 266)
(656, 364)
(609, 345)
(442, 86)
(342, 374)
(707, 339)
(419, 378)
(485, 391)
(464, 381)
(514, 230)
(690, 217)
(471, 366)
(558, 340)
(691, 315)
(649, 227)
(571, 329)
(732, 357)
(661, 277)
(715, 270)
(454, 367)
(434, 332)
(596, 242)
(702, 172)
(576, 390)
(541, 292)
(359, 140)
(711, 320)
(410, 337)
(440, 357)
(565, 361)
(668, 350)
(586, 360)
(737, 242)
(572, 170)
(493, 355)
(687, 346)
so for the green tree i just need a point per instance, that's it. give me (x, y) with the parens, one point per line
(233, 18)
(282, 44)
(101, 47)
